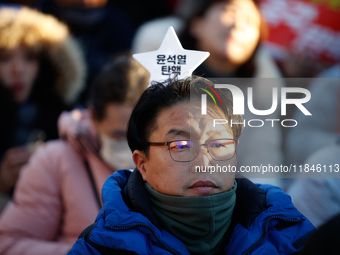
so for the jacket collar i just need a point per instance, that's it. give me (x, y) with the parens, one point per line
(137, 197)
(250, 200)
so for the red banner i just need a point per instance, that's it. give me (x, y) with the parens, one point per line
(311, 27)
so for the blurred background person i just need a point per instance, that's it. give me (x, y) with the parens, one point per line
(59, 190)
(315, 142)
(322, 128)
(318, 198)
(41, 74)
(231, 31)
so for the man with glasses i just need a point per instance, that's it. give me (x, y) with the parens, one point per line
(165, 206)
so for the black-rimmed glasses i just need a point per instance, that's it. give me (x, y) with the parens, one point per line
(187, 150)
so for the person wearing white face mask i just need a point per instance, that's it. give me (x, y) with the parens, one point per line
(116, 152)
(58, 193)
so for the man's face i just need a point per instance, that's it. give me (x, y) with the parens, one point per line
(161, 172)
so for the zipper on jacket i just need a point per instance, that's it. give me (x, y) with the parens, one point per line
(165, 246)
(251, 248)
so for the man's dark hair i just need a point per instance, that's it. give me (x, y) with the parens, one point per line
(121, 81)
(160, 96)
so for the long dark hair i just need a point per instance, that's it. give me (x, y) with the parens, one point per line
(189, 42)
(48, 100)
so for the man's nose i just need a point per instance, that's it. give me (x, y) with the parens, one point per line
(203, 156)
(202, 160)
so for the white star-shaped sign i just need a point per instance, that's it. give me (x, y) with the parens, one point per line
(171, 59)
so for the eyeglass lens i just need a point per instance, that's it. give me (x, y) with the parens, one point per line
(221, 149)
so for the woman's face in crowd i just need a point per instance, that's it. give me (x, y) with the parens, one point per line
(18, 71)
(229, 29)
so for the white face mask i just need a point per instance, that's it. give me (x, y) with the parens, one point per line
(116, 153)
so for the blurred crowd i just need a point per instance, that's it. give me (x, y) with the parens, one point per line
(68, 84)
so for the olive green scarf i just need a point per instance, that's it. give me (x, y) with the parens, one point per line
(199, 222)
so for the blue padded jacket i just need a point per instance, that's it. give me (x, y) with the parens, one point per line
(264, 222)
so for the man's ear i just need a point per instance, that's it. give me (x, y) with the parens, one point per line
(139, 158)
